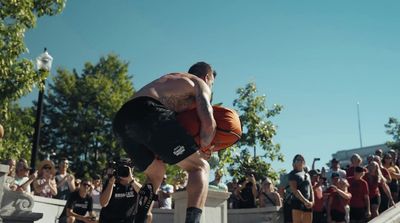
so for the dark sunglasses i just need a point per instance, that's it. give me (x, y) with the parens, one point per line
(47, 167)
(86, 185)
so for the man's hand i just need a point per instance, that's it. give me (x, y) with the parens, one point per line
(206, 154)
(309, 204)
(89, 219)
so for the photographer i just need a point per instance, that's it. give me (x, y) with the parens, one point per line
(248, 192)
(118, 198)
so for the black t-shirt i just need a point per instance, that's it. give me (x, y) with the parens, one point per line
(79, 205)
(121, 204)
(303, 183)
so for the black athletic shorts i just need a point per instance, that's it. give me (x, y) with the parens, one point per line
(146, 129)
(375, 200)
(357, 214)
(338, 216)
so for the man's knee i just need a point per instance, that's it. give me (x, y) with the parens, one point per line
(71, 219)
(199, 165)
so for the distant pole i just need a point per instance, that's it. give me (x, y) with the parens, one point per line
(359, 123)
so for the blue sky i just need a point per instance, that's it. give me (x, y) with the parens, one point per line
(316, 58)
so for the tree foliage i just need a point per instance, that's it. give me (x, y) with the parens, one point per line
(17, 75)
(18, 130)
(78, 114)
(258, 132)
(393, 129)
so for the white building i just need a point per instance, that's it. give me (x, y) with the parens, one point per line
(344, 155)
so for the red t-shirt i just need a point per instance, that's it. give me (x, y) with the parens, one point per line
(373, 185)
(358, 188)
(318, 199)
(338, 202)
(350, 171)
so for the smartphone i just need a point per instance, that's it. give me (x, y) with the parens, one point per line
(31, 171)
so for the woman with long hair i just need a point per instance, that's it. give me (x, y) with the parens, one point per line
(375, 179)
(338, 199)
(268, 197)
(300, 185)
(389, 163)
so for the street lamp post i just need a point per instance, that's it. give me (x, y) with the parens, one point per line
(43, 63)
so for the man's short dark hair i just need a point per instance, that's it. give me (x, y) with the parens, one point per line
(201, 69)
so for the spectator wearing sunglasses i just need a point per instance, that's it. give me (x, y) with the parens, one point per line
(45, 185)
(79, 206)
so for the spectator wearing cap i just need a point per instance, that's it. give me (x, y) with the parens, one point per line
(359, 203)
(65, 181)
(355, 160)
(268, 197)
(375, 179)
(22, 180)
(394, 172)
(318, 207)
(303, 199)
(338, 200)
(335, 168)
(165, 194)
(45, 185)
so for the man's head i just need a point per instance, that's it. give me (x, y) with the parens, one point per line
(315, 175)
(335, 178)
(22, 168)
(299, 162)
(335, 164)
(379, 152)
(204, 71)
(86, 186)
(356, 159)
(64, 163)
(358, 172)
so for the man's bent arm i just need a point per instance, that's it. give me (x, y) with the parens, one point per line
(205, 113)
(105, 195)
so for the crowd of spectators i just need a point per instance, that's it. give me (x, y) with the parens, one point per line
(357, 193)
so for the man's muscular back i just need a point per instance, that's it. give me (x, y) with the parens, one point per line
(176, 91)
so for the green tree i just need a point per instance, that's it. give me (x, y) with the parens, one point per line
(79, 110)
(18, 133)
(393, 129)
(17, 75)
(258, 132)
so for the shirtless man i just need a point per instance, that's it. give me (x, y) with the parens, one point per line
(147, 128)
